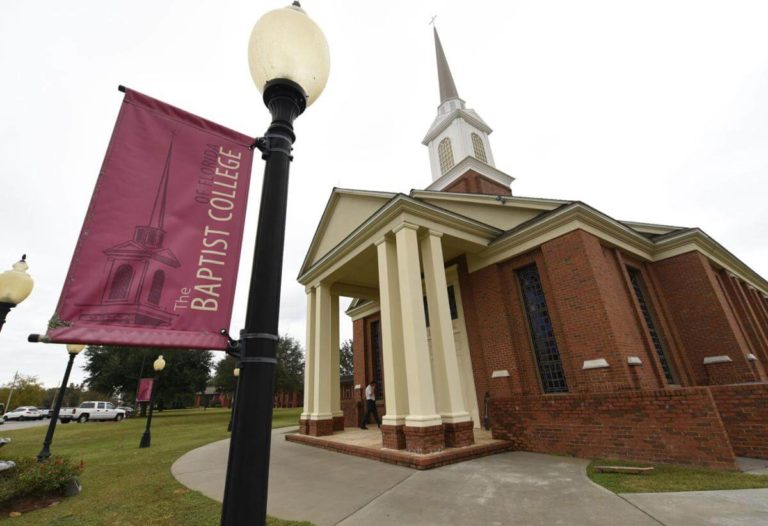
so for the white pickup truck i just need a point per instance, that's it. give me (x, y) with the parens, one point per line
(92, 411)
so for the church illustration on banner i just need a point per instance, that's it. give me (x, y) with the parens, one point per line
(135, 276)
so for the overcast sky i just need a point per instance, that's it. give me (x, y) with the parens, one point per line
(647, 111)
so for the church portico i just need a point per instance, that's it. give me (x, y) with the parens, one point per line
(423, 388)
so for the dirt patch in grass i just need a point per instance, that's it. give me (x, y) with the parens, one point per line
(665, 478)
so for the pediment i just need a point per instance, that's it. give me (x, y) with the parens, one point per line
(345, 211)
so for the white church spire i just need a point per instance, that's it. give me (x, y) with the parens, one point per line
(458, 138)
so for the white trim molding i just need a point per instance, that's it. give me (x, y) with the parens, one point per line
(598, 363)
(723, 358)
(634, 360)
(501, 373)
(751, 357)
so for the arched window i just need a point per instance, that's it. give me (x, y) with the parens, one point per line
(156, 289)
(479, 147)
(121, 283)
(445, 153)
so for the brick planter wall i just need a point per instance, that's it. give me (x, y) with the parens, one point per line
(744, 412)
(459, 435)
(424, 439)
(679, 426)
(352, 412)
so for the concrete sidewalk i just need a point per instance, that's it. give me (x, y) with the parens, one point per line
(328, 488)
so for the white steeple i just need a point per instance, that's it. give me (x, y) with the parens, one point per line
(458, 138)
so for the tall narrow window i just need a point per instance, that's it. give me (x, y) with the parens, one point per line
(376, 357)
(121, 283)
(479, 147)
(451, 305)
(648, 316)
(445, 153)
(542, 335)
(156, 289)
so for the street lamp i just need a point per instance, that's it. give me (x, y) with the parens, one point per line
(15, 286)
(289, 62)
(236, 372)
(158, 365)
(73, 349)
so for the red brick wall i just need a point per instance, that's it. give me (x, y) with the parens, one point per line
(593, 308)
(703, 319)
(473, 183)
(678, 426)
(744, 412)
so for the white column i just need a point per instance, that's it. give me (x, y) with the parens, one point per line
(309, 359)
(395, 384)
(450, 397)
(421, 397)
(335, 357)
(322, 365)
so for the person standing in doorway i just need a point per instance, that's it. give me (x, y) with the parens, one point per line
(370, 405)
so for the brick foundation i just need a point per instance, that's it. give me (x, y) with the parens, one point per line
(744, 412)
(423, 440)
(318, 428)
(393, 437)
(459, 435)
(304, 427)
(676, 426)
(338, 423)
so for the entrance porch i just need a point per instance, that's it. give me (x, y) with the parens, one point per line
(401, 270)
(368, 444)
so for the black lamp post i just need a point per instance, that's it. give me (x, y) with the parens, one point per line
(45, 453)
(15, 286)
(236, 372)
(288, 57)
(159, 365)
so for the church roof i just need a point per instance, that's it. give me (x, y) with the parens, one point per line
(501, 226)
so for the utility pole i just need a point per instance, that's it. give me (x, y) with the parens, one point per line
(13, 386)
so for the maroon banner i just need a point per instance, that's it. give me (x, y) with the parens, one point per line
(144, 393)
(156, 261)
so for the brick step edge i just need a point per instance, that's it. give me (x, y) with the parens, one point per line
(402, 458)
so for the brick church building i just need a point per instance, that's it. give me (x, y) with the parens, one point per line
(562, 329)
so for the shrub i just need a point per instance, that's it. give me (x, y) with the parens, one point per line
(31, 479)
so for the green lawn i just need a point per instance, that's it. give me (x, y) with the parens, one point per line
(672, 478)
(125, 485)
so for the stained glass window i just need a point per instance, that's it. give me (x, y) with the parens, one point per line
(639, 287)
(542, 334)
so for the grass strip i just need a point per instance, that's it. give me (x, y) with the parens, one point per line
(125, 485)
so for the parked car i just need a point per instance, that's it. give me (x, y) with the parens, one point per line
(44, 412)
(128, 410)
(25, 412)
(92, 411)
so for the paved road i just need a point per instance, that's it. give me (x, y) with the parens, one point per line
(329, 488)
(13, 425)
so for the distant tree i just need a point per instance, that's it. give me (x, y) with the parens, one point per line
(117, 370)
(289, 375)
(224, 375)
(27, 390)
(346, 362)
